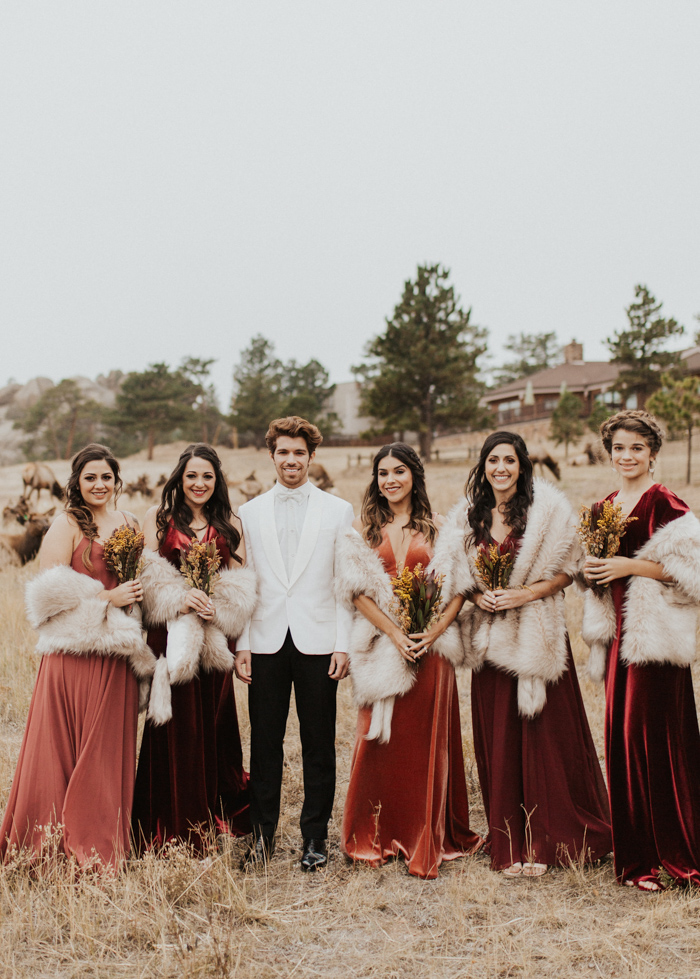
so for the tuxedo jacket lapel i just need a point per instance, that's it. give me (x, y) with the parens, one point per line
(309, 534)
(268, 532)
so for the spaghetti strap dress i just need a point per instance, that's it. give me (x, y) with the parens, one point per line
(541, 782)
(652, 742)
(190, 778)
(77, 762)
(408, 797)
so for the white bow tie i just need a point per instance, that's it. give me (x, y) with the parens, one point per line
(290, 496)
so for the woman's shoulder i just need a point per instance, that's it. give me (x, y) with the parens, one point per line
(667, 504)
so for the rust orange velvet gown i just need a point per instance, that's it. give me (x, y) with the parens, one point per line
(409, 796)
(78, 758)
(543, 790)
(190, 775)
(652, 742)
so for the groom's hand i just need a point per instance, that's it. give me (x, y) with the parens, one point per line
(242, 665)
(339, 666)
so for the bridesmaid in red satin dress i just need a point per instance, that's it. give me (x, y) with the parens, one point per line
(77, 762)
(190, 775)
(408, 796)
(652, 741)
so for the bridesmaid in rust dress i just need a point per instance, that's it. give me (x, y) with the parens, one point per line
(652, 742)
(407, 796)
(77, 761)
(190, 776)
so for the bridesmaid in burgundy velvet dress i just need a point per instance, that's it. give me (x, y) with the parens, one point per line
(190, 775)
(541, 782)
(652, 740)
(407, 796)
(77, 762)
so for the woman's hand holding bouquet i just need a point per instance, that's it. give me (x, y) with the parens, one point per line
(494, 565)
(600, 530)
(199, 565)
(418, 606)
(123, 552)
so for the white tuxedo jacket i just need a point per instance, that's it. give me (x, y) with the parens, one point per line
(303, 602)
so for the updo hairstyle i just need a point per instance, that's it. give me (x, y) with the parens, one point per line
(633, 420)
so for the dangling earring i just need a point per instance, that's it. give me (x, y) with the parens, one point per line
(652, 466)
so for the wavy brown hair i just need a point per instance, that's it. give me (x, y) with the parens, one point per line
(480, 495)
(376, 512)
(632, 420)
(217, 509)
(76, 506)
(296, 428)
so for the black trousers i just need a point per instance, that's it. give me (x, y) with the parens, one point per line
(269, 693)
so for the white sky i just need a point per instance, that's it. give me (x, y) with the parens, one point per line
(178, 175)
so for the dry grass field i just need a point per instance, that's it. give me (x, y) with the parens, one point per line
(174, 916)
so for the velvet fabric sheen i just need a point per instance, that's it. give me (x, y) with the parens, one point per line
(190, 777)
(409, 796)
(652, 743)
(77, 761)
(541, 782)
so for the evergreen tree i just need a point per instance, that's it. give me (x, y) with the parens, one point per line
(306, 391)
(59, 420)
(596, 418)
(258, 396)
(421, 373)
(566, 424)
(209, 421)
(533, 352)
(155, 403)
(638, 349)
(678, 403)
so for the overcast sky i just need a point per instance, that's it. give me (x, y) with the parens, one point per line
(177, 176)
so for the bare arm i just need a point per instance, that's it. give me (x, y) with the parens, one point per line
(602, 571)
(60, 541)
(150, 529)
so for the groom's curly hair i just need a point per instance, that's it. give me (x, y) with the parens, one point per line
(296, 428)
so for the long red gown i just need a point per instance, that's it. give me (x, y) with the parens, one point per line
(652, 742)
(543, 790)
(190, 774)
(78, 757)
(409, 796)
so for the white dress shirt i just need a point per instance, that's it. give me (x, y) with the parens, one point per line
(290, 513)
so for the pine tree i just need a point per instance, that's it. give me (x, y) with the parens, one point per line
(566, 424)
(533, 352)
(258, 395)
(638, 349)
(677, 402)
(60, 419)
(421, 373)
(153, 404)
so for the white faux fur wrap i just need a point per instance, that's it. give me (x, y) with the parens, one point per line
(529, 641)
(378, 671)
(192, 642)
(64, 608)
(660, 617)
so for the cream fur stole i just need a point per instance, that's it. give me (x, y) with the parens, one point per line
(660, 617)
(192, 642)
(530, 641)
(379, 673)
(64, 608)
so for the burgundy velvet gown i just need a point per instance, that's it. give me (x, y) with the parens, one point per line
(190, 776)
(409, 796)
(652, 743)
(78, 757)
(541, 782)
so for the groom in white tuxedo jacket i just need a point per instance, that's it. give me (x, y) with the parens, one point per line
(298, 636)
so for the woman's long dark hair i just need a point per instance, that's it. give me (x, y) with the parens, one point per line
(480, 496)
(217, 509)
(376, 512)
(76, 506)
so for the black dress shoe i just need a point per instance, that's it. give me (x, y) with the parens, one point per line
(315, 854)
(259, 852)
